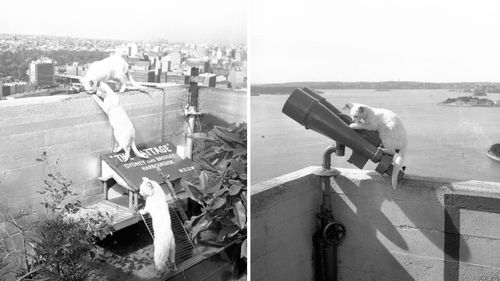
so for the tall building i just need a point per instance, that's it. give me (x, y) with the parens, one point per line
(74, 69)
(166, 64)
(132, 49)
(175, 60)
(157, 68)
(219, 53)
(41, 72)
(203, 65)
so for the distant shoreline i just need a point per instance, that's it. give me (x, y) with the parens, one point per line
(469, 101)
(287, 88)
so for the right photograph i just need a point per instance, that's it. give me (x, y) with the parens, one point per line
(375, 140)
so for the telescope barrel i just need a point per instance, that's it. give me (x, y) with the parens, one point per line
(318, 115)
(344, 117)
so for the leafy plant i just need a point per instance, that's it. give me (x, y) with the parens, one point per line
(59, 245)
(61, 249)
(221, 187)
(21, 249)
(56, 201)
(64, 239)
(56, 189)
(4, 265)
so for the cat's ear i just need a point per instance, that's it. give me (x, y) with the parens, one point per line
(348, 106)
(150, 184)
(361, 109)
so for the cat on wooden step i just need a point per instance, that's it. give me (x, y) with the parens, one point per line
(157, 207)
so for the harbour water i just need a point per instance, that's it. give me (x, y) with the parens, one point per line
(444, 141)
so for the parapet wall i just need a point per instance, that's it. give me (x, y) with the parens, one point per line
(74, 131)
(228, 105)
(428, 229)
(283, 220)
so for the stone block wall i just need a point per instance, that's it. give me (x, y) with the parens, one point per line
(283, 220)
(428, 229)
(74, 131)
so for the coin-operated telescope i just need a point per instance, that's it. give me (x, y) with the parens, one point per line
(313, 112)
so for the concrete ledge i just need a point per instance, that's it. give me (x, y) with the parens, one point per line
(229, 105)
(428, 229)
(283, 214)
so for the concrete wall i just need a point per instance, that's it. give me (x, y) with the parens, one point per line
(428, 229)
(229, 105)
(283, 220)
(74, 131)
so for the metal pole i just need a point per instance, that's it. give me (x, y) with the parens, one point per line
(163, 115)
(325, 245)
(192, 110)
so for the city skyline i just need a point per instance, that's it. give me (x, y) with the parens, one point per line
(193, 21)
(428, 41)
(122, 41)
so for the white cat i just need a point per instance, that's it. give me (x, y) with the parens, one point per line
(111, 68)
(157, 206)
(390, 128)
(123, 129)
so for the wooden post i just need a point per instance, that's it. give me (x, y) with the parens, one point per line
(130, 200)
(105, 190)
(136, 201)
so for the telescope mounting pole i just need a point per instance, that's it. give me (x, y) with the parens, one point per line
(331, 232)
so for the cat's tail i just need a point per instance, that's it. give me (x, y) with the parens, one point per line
(134, 83)
(397, 164)
(136, 151)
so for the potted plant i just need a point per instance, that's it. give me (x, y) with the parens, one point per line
(221, 187)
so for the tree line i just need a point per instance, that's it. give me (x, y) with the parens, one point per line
(16, 64)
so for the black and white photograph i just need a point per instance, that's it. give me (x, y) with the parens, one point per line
(250, 140)
(375, 140)
(123, 140)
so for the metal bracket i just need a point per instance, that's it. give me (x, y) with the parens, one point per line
(332, 172)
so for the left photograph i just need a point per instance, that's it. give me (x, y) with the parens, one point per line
(123, 139)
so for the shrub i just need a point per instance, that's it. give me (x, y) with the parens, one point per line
(61, 248)
(221, 186)
(4, 266)
(59, 245)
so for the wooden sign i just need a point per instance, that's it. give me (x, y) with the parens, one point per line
(162, 156)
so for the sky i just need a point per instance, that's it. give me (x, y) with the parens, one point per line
(191, 21)
(374, 40)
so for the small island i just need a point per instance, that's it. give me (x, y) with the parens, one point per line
(470, 101)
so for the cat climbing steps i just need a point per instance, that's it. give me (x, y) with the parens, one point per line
(185, 248)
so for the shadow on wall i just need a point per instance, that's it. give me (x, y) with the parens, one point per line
(370, 232)
(371, 217)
